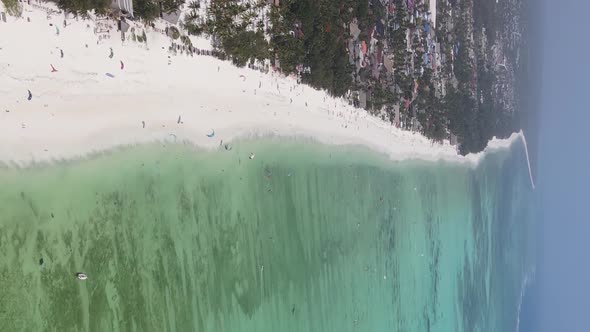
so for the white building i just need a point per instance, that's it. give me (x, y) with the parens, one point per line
(126, 5)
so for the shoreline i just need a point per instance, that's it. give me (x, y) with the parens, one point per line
(79, 110)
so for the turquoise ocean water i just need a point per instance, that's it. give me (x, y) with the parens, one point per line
(305, 237)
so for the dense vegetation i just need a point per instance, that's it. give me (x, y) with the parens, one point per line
(147, 10)
(236, 29)
(321, 43)
(83, 6)
(12, 7)
(304, 34)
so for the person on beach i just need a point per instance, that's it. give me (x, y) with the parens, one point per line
(62, 52)
(112, 53)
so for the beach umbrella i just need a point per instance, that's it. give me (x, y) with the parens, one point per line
(243, 77)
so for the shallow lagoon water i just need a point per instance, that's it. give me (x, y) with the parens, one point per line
(304, 237)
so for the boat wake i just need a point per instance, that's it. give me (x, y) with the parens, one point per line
(526, 281)
(526, 151)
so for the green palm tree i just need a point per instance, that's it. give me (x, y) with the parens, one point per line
(194, 5)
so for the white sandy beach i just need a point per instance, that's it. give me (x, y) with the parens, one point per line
(79, 109)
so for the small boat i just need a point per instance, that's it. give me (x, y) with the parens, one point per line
(81, 276)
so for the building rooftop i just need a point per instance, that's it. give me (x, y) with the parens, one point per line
(123, 5)
(172, 17)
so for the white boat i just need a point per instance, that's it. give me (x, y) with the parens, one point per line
(81, 276)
